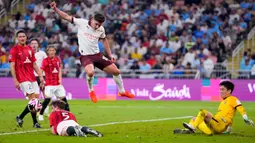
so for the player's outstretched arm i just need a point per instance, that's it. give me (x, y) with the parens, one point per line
(39, 72)
(107, 49)
(60, 13)
(245, 117)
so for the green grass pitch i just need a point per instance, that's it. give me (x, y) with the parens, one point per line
(167, 116)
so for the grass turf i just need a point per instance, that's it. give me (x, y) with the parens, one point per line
(88, 113)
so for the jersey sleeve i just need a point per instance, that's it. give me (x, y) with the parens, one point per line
(12, 56)
(79, 21)
(235, 102)
(103, 35)
(44, 64)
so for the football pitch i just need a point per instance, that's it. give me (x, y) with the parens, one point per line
(124, 122)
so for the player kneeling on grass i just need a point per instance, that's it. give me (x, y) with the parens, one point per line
(53, 74)
(64, 122)
(222, 121)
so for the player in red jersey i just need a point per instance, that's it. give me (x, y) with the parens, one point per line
(89, 33)
(23, 64)
(53, 73)
(64, 123)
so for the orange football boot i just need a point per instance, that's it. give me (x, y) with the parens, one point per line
(126, 94)
(93, 96)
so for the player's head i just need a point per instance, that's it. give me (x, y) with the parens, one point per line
(51, 51)
(21, 36)
(97, 20)
(226, 88)
(34, 43)
(57, 104)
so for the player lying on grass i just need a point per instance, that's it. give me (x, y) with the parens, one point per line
(222, 121)
(23, 64)
(53, 73)
(64, 123)
(89, 33)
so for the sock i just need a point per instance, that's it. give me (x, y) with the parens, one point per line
(90, 82)
(70, 131)
(204, 128)
(67, 105)
(46, 111)
(44, 105)
(200, 118)
(33, 114)
(24, 113)
(118, 80)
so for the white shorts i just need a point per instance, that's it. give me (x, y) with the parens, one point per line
(29, 87)
(64, 124)
(57, 90)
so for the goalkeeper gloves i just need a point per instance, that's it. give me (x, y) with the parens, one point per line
(247, 120)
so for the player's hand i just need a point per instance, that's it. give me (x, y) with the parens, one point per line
(112, 58)
(16, 83)
(60, 81)
(42, 82)
(53, 5)
(248, 121)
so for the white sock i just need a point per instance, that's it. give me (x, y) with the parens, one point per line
(118, 80)
(46, 111)
(90, 82)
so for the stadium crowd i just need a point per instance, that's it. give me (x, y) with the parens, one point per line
(145, 35)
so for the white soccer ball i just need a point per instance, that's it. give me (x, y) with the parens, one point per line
(34, 105)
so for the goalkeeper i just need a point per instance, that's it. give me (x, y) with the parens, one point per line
(221, 122)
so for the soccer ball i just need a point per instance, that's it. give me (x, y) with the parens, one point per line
(34, 105)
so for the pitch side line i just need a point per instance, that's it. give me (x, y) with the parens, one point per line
(99, 125)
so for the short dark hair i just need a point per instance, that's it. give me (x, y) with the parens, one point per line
(228, 84)
(99, 17)
(34, 39)
(58, 103)
(21, 31)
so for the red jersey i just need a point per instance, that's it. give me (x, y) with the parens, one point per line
(51, 68)
(58, 116)
(24, 58)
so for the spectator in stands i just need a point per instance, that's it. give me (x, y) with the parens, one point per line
(208, 66)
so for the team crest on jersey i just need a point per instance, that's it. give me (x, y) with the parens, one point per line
(55, 70)
(30, 53)
(27, 60)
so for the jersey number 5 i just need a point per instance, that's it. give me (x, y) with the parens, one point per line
(65, 115)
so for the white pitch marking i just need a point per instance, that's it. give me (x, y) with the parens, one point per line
(99, 125)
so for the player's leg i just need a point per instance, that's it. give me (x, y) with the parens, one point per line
(202, 126)
(203, 116)
(28, 91)
(89, 69)
(48, 91)
(61, 94)
(46, 111)
(112, 69)
(69, 128)
(36, 94)
(90, 131)
(88, 65)
(219, 125)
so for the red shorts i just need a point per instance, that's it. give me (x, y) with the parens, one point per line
(98, 60)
